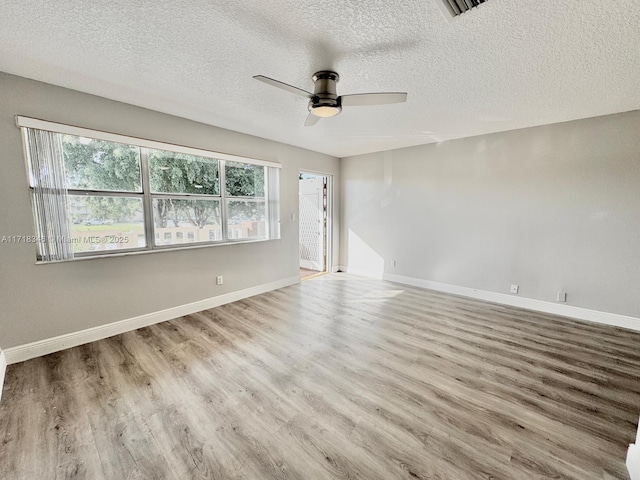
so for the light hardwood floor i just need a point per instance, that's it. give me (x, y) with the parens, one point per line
(339, 377)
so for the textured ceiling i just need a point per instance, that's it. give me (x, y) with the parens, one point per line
(507, 64)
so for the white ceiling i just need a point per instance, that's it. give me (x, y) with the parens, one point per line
(507, 64)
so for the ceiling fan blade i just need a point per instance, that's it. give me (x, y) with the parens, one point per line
(311, 120)
(364, 99)
(283, 86)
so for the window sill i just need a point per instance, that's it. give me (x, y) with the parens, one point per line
(156, 250)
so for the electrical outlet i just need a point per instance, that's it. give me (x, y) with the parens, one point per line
(561, 297)
(514, 288)
(394, 264)
(219, 280)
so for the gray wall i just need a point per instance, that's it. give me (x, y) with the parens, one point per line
(43, 301)
(549, 208)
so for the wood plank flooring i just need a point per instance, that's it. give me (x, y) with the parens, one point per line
(340, 377)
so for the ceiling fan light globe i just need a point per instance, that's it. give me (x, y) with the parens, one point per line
(325, 111)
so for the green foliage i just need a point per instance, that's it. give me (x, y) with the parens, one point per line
(118, 209)
(181, 173)
(244, 180)
(197, 212)
(101, 165)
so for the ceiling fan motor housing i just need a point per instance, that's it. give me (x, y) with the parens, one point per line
(325, 101)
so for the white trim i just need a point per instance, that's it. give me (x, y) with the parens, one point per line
(330, 210)
(3, 370)
(185, 246)
(335, 269)
(633, 461)
(50, 345)
(28, 122)
(614, 319)
(564, 310)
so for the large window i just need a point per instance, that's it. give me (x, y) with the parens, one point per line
(96, 193)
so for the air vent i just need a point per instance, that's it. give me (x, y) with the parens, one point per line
(458, 7)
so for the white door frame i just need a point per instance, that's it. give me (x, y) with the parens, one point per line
(329, 230)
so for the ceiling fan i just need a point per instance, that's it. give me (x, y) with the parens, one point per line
(324, 102)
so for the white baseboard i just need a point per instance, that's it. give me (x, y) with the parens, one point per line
(633, 461)
(50, 345)
(3, 370)
(632, 323)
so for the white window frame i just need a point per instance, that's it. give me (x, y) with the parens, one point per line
(271, 199)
